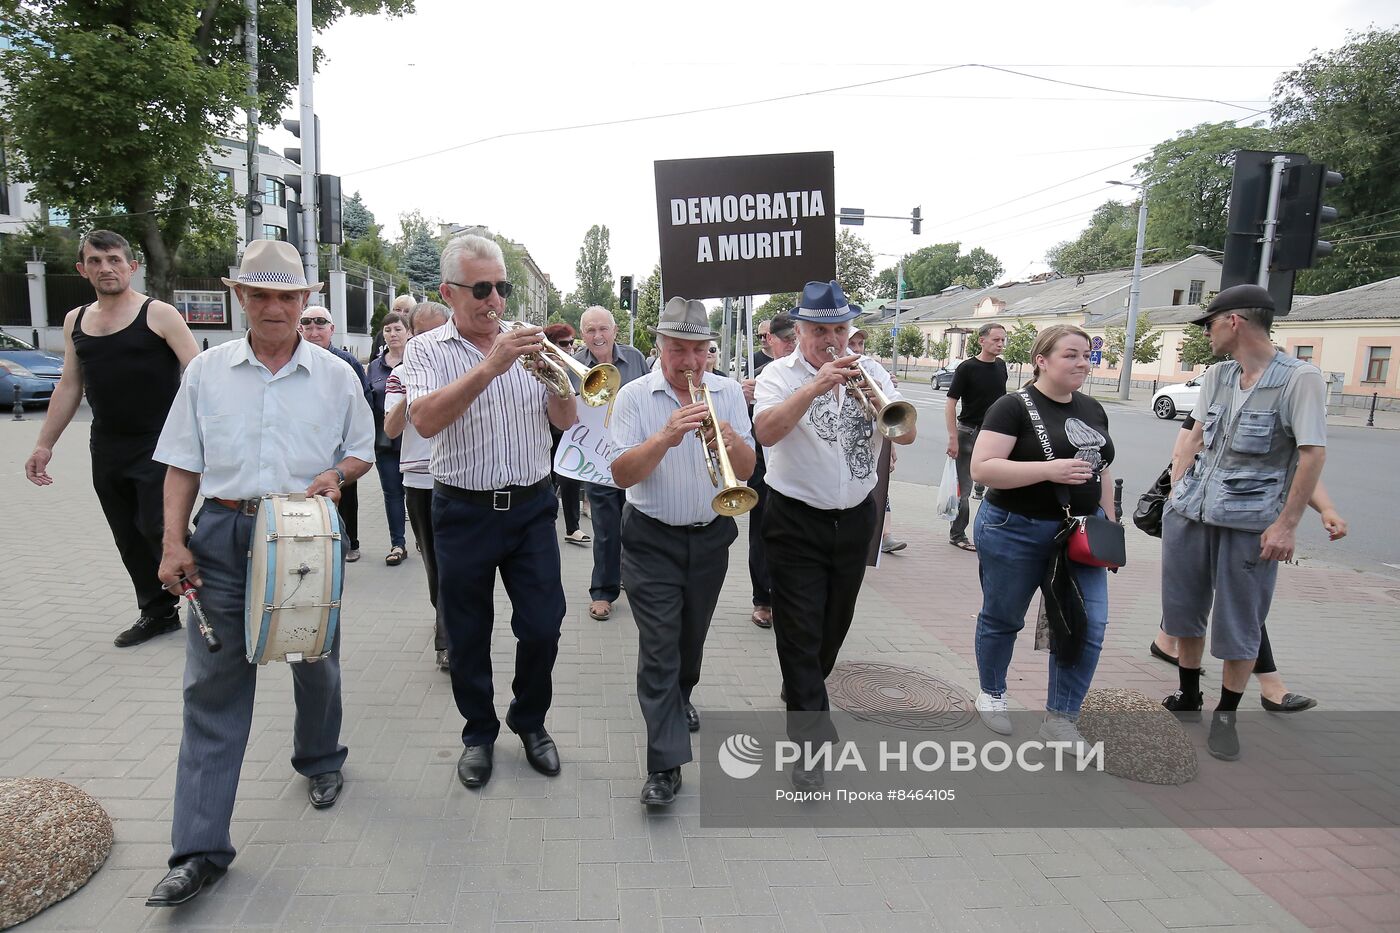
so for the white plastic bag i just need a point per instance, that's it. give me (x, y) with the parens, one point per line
(946, 507)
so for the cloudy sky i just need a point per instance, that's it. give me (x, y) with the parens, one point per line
(463, 111)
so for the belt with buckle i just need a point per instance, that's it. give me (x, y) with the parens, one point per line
(500, 500)
(242, 506)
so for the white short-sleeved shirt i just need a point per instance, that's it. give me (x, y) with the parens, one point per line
(679, 491)
(828, 459)
(415, 450)
(250, 432)
(503, 437)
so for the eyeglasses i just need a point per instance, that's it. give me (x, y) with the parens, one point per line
(481, 290)
(566, 343)
(714, 349)
(315, 322)
(1211, 323)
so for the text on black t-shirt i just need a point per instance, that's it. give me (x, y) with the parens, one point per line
(1078, 430)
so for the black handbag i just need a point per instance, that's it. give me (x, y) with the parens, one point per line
(1148, 515)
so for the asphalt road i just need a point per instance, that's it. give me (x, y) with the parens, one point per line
(1362, 474)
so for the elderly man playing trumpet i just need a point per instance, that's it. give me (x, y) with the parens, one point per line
(813, 415)
(681, 433)
(493, 504)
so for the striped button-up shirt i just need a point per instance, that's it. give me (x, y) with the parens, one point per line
(250, 432)
(678, 491)
(828, 459)
(503, 437)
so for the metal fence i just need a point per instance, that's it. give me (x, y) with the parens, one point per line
(14, 299)
(66, 292)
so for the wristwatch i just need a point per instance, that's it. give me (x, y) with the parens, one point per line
(339, 475)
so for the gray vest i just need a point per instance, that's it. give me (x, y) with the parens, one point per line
(1241, 478)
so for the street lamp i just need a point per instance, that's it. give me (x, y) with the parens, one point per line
(1125, 380)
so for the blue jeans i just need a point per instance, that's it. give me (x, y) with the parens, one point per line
(1013, 552)
(391, 480)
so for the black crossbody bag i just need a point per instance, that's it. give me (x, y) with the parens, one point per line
(1088, 539)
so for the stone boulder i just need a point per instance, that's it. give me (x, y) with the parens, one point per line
(53, 837)
(1141, 740)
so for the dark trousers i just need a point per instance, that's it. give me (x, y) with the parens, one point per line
(967, 436)
(673, 578)
(391, 481)
(419, 503)
(473, 541)
(219, 688)
(817, 563)
(350, 513)
(568, 490)
(131, 488)
(606, 505)
(758, 554)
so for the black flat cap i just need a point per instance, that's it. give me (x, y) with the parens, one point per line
(1237, 298)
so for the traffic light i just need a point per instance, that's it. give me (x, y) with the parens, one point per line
(328, 204)
(1301, 215)
(292, 154)
(624, 291)
(917, 220)
(294, 224)
(1249, 209)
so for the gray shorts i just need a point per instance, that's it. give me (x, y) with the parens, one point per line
(1205, 566)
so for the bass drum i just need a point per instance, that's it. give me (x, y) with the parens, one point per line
(295, 576)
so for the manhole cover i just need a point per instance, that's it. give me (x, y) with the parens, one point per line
(898, 696)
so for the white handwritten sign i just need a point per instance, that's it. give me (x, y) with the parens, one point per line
(586, 450)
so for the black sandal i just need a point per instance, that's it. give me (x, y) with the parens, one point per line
(963, 543)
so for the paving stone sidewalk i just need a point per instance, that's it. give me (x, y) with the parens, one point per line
(407, 846)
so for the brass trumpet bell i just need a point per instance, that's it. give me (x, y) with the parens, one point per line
(552, 366)
(733, 498)
(892, 419)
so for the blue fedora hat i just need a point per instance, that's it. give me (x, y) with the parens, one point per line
(823, 303)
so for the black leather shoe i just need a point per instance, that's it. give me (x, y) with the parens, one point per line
(184, 881)
(325, 788)
(540, 752)
(1292, 703)
(1186, 708)
(147, 628)
(807, 780)
(692, 718)
(474, 767)
(660, 788)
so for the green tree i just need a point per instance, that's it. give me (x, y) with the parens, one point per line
(930, 270)
(1107, 243)
(111, 110)
(1147, 343)
(1342, 108)
(419, 252)
(516, 271)
(783, 301)
(881, 342)
(1189, 176)
(938, 349)
(855, 266)
(1195, 347)
(1019, 341)
(355, 218)
(648, 309)
(592, 273)
(885, 284)
(910, 344)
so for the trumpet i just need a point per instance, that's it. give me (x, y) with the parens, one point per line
(552, 366)
(891, 418)
(733, 498)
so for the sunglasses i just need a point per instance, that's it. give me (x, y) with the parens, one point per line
(315, 322)
(1211, 323)
(481, 290)
(714, 349)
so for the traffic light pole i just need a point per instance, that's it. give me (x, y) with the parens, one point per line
(1266, 254)
(309, 141)
(1125, 378)
(250, 51)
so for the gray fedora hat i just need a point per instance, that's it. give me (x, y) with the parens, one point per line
(684, 319)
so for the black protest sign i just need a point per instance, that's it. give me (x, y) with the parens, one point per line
(746, 225)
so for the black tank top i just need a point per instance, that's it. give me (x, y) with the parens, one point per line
(131, 376)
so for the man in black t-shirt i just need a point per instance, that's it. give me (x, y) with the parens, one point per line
(978, 381)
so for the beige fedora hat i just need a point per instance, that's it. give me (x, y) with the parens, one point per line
(273, 264)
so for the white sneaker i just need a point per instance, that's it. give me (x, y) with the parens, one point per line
(994, 713)
(1057, 728)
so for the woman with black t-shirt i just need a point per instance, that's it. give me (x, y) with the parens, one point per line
(1018, 522)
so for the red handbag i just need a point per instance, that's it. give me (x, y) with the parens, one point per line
(1097, 542)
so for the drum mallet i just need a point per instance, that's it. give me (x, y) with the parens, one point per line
(188, 591)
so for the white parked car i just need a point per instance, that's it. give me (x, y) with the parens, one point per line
(1176, 399)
